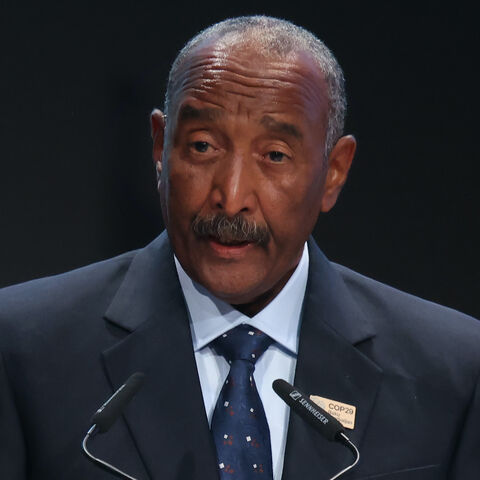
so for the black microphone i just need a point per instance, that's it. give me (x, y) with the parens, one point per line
(108, 413)
(317, 417)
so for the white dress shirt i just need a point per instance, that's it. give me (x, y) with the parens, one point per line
(280, 319)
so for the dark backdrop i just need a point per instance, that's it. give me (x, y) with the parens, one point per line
(78, 80)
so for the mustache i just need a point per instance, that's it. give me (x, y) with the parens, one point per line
(227, 230)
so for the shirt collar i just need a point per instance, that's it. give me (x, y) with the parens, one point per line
(280, 319)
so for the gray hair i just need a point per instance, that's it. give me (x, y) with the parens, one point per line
(281, 37)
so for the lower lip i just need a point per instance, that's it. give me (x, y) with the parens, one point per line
(230, 251)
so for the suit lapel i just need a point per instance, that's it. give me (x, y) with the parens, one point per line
(329, 365)
(167, 418)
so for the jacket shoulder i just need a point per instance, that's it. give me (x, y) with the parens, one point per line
(86, 289)
(368, 290)
(412, 328)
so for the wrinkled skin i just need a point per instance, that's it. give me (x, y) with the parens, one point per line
(245, 136)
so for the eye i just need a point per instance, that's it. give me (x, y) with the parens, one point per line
(201, 147)
(277, 157)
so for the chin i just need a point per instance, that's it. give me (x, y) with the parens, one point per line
(234, 294)
(232, 289)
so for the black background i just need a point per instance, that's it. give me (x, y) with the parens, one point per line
(78, 80)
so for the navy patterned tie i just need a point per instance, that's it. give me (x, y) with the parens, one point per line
(239, 426)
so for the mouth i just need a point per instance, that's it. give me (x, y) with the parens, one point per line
(229, 248)
(228, 242)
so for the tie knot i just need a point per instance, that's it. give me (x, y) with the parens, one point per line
(242, 343)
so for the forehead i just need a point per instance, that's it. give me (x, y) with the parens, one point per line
(238, 79)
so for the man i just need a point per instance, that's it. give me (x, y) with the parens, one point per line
(250, 151)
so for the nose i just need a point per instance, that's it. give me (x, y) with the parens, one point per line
(233, 189)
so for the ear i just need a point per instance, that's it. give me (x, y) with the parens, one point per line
(339, 163)
(157, 123)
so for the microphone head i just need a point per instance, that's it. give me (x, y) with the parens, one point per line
(108, 413)
(316, 416)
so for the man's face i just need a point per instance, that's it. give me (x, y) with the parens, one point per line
(245, 142)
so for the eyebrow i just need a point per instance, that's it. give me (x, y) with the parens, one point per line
(187, 112)
(281, 127)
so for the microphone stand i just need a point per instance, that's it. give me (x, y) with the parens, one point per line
(91, 432)
(342, 438)
(106, 415)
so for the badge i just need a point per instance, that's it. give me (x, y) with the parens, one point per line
(343, 412)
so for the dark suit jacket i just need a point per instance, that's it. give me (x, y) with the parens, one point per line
(67, 342)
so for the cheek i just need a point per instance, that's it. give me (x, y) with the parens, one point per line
(292, 207)
(188, 188)
(311, 187)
